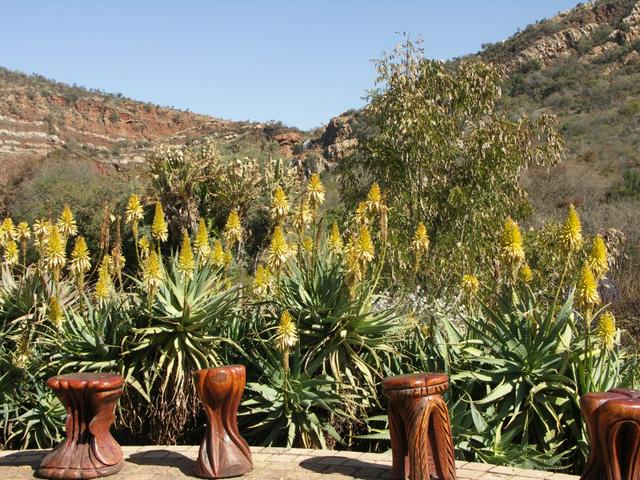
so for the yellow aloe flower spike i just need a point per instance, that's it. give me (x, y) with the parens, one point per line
(117, 258)
(307, 244)
(152, 273)
(598, 258)
(104, 286)
(571, 233)
(279, 205)
(303, 216)
(7, 231)
(606, 331)
(353, 266)
(144, 245)
(40, 230)
(526, 274)
(55, 256)
(56, 314)
(315, 190)
(287, 333)
(186, 260)
(24, 234)
(587, 295)
(202, 241)
(470, 284)
(80, 261)
(365, 250)
(23, 231)
(335, 240)
(233, 228)
(159, 228)
(134, 212)
(228, 258)
(512, 249)
(262, 282)
(67, 222)
(11, 253)
(362, 216)
(217, 255)
(40, 227)
(374, 198)
(421, 239)
(279, 250)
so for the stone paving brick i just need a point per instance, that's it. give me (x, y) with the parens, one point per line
(177, 463)
(484, 467)
(562, 476)
(467, 474)
(531, 474)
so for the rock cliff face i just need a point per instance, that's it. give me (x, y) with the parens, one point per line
(588, 33)
(584, 31)
(337, 139)
(561, 44)
(39, 116)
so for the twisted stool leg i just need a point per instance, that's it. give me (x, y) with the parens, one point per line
(441, 440)
(418, 417)
(89, 451)
(223, 452)
(594, 468)
(619, 426)
(399, 445)
(419, 425)
(421, 438)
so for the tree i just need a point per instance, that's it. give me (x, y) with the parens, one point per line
(446, 154)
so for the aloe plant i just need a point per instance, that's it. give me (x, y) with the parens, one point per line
(342, 335)
(290, 407)
(180, 328)
(517, 381)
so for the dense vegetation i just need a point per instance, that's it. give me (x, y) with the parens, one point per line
(312, 323)
(593, 91)
(437, 140)
(222, 260)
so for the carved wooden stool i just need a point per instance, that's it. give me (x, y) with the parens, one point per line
(613, 425)
(223, 452)
(419, 424)
(89, 450)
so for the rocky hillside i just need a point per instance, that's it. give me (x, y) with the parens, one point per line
(39, 117)
(588, 31)
(583, 65)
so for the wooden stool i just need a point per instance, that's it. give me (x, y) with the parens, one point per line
(89, 450)
(613, 425)
(223, 452)
(419, 424)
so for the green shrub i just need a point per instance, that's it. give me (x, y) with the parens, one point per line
(77, 183)
(630, 186)
(447, 155)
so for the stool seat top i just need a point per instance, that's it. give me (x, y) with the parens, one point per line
(239, 369)
(96, 381)
(414, 380)
(221, 374)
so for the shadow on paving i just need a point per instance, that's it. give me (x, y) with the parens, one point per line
(162, 457)
(20, 459)
(345, 466)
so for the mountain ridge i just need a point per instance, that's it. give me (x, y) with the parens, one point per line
(39, 116)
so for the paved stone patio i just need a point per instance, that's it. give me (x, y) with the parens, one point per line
(176, 462)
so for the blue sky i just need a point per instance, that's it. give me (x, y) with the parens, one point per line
(300, 62)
